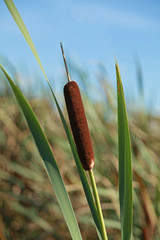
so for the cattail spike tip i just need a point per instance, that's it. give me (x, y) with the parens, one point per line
(65, 63)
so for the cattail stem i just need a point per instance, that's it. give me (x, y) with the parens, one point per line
(82, 137)
(97, 202)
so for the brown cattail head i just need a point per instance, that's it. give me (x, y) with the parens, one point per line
(79, 124)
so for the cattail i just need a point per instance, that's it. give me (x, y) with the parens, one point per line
(78, 121)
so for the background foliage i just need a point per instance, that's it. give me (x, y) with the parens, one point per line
(28, 207)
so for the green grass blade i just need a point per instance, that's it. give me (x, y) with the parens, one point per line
(48, 160)
(15, 14)
(125, 165)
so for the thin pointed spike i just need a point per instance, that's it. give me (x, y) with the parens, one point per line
(65, 63)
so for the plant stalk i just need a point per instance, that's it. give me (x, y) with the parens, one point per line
(98, 205)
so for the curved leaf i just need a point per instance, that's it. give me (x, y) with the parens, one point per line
(48, 160)
(13, 10)
(16, 16)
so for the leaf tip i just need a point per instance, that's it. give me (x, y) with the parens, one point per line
(116, 60)
(118, 75)
(117, 67)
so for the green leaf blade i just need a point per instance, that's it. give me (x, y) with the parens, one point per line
(16, 16)
(48, 160)
(125, 163)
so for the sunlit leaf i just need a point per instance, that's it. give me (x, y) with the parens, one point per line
(125, 164)
(15, 14)
(48, 160)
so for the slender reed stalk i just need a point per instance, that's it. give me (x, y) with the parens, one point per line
(98, 205)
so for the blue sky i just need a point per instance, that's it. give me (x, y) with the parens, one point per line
(91, 32)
